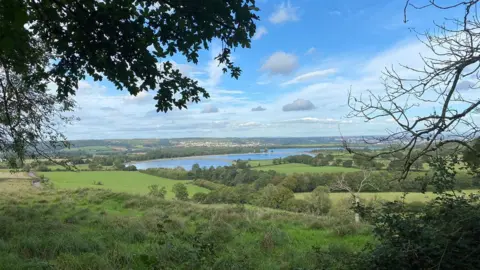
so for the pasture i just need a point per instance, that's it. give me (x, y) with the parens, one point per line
(385, 196)
(117, 181)
(303, 168)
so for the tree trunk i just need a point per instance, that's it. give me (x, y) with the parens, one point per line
(357, 215)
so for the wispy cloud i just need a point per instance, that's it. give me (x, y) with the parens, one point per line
(310, 75)
(284, 12)
(261, 31)
(310, 51)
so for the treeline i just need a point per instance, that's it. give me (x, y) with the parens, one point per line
(392, 162)
(166, 152)
(193, 151)
(240, 174)
(272, 196)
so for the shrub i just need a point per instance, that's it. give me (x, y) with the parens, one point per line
(320, 200)
(181, 192)
(153, 190)
(199, 197)
(274, 196)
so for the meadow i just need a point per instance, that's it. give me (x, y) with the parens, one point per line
(290, 168)
(100, 229)
(117, 181)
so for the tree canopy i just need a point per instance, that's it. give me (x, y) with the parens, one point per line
(57, 43)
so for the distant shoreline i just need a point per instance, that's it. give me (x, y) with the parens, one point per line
(208, 157)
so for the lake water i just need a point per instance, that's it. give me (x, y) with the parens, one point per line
(224, 160)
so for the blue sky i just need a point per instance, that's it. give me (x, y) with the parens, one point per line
(305, 57)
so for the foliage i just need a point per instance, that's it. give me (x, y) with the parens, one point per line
(199, 197)
(444, 234)
(274, 196)
(130, 168)
(180, 191)
(94, 166)
(347, 163)
(153, 190)
(122, 52)
(99, 229)
(320, 200)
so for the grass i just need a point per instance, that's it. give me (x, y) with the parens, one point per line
(265, 162)
(117, 181)
(101, 229)
(387, 196)
(303, 168)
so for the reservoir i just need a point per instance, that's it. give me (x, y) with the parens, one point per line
(225, 160)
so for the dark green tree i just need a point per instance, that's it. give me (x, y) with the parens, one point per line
(127, 42)
(347, 163)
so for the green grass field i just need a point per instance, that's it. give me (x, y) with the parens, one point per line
(117, 181)
(303, 168)
(101, 229)
(387, 196)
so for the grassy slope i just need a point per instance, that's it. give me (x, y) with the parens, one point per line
(303, 168)
(98, 229)
(117, 181)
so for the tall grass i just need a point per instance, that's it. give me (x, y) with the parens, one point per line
(100, 229)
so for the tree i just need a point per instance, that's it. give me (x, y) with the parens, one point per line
(448, 71)
(181, 192)
(320, 200)
(438, 235)
(30, 117)
(338, 162)
(274, 196)
(347, 163)
(342, 185)
(92, 166)
(126, 42)
(395, 165)
(118, 165)
(130, 168)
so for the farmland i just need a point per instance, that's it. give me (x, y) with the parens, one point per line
(117, 181)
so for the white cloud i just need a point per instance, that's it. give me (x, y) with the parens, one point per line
(335, 12)
(310, 51)
(280, 63)
(283, 13)
(261, 31)
(124, 116)
(311, 75)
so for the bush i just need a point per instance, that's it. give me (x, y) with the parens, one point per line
(296, 205)
(199, 197)
(153, 190)
(181, 192)
(274, 196)
(320, 200)
(444, 235)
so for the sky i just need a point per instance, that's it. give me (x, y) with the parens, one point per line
(304, 59)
